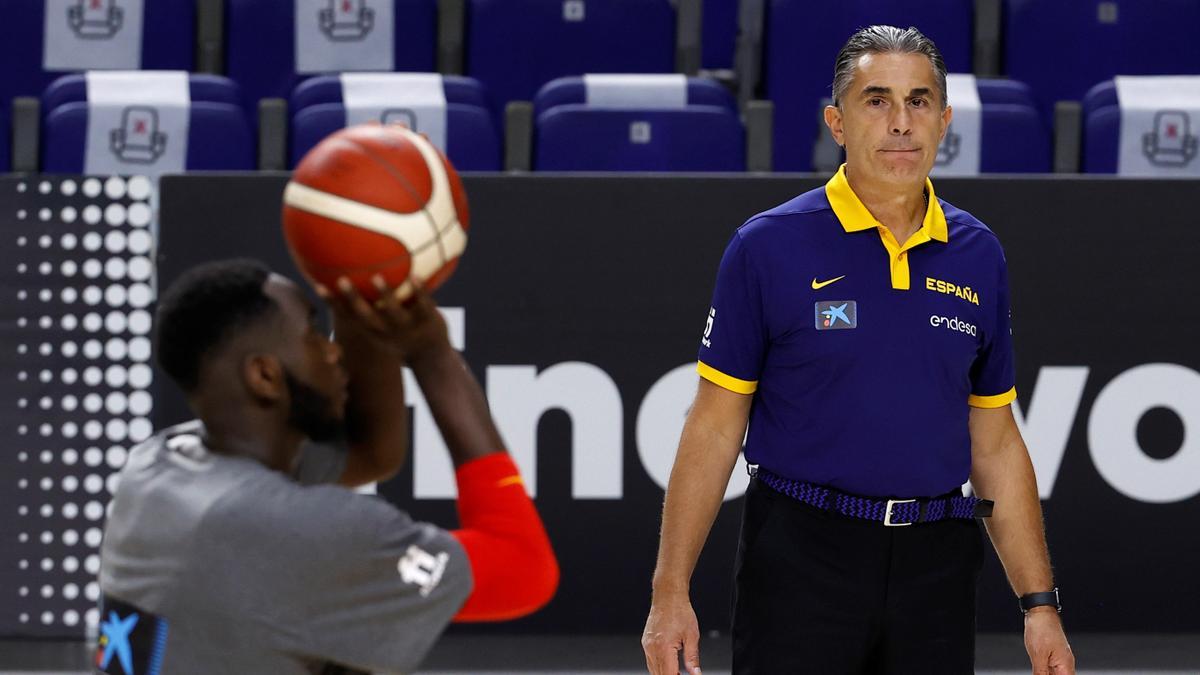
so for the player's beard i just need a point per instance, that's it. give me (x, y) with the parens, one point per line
(312, 413)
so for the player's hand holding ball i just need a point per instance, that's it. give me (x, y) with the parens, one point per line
(406, 322)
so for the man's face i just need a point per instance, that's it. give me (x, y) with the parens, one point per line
(890, 119)
(312, 364)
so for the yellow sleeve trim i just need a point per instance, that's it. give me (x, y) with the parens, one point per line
(511, 480)
(721, 379)
(997, 401)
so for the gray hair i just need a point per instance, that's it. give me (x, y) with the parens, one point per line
(882, 40)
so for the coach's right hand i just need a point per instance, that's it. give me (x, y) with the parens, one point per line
(671, 629)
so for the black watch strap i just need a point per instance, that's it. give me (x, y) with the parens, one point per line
(1048, 599)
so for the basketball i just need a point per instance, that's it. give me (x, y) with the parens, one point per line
(375, 200)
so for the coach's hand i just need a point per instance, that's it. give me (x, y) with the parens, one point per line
(1047, 643)
(671, 629)
(411, 326)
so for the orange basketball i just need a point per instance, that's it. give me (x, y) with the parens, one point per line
(373, 199)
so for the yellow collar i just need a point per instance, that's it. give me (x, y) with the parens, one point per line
(855, 217)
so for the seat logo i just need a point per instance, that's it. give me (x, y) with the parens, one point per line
(1171, 143)
(346, 20)
(138, 141)
(837, 314)
(405, 116)
(574, 11)
(95, 19)
(639, 132)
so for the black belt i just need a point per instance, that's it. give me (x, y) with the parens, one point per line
(891, 512)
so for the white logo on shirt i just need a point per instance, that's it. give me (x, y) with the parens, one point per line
(953, 324)
(421, 568)
(712, 314)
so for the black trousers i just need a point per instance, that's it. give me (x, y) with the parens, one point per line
(821, 593)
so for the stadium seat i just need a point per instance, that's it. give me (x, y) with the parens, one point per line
(720, 33)
(802, 39)
(261, 44)
(471, 138)
(1063, 47)
(516, 46)
(1002, 90)
(1015, 139)
(670, 123)
(1103, 126)
(168, 41)
(1101, 139)
(220, 136)
(1010, 112)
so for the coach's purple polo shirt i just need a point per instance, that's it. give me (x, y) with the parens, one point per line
(863, 355)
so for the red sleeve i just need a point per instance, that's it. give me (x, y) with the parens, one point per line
(512, 562)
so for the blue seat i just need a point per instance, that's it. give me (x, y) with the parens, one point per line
(1001, 90)
(696, 138)
(219, 138)
(516, 46)
(1015, 139)
(1099, 96)
(719, 35)
(658, 123)
(1101, 113)
(168, 43)
(211, 88)
(565, 90)
(1101, 139)
(261, 43)
(1043, 41)
(802, 39)
(472, 140)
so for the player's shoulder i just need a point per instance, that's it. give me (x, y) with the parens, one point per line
(962, 223)
(786, 219)
(270, 509)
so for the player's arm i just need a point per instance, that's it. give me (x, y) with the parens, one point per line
(708, 449)
(514, 568)
(376, 416)
(1002, 472)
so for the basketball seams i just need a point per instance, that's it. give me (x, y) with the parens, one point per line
(408, 187)
(451, 237)
(373, 218)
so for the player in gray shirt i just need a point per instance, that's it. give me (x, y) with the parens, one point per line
(234, 545)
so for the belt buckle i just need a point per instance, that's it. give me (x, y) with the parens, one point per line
(887, 518)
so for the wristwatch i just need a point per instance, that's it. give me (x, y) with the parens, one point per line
(1031, 600)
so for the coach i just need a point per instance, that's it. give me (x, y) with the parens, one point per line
(862, 331)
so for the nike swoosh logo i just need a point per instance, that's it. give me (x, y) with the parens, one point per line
(818, 285)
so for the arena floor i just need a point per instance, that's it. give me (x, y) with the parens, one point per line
(1097, 654)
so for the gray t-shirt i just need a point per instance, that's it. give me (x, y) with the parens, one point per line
(233, 568)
